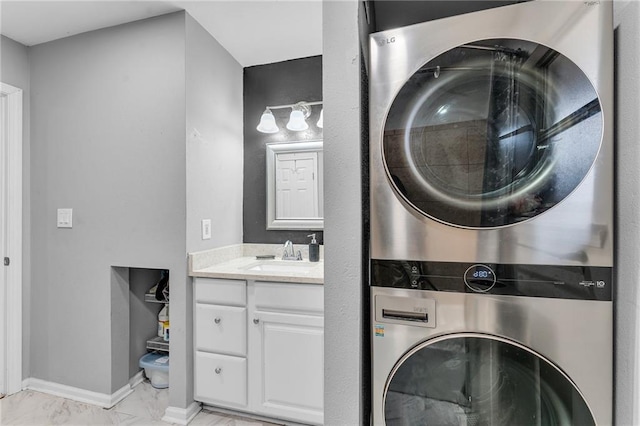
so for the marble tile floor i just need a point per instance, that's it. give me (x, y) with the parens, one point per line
(145, 406)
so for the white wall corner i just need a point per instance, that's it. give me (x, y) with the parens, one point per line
(181, 416)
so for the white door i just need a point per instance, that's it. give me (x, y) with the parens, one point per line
(10, 239)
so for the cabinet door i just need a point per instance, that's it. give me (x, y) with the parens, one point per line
(220, 379)
(287, 365)
(221, 329)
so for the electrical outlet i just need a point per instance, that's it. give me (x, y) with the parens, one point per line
(206, 229)
(65, 218)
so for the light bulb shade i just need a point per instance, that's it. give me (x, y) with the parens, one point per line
(297, 121)
(267, 123)
(320, 123)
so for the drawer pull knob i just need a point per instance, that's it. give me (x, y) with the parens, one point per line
(218, 370)
(256, 320)
(217, 320)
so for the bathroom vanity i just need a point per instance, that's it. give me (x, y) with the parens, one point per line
(259, 333)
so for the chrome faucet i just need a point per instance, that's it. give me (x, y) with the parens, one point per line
(289, 254)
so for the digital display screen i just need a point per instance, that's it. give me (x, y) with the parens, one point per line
(479, 278)
(479, 273)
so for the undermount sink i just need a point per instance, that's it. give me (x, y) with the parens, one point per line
(298, 267)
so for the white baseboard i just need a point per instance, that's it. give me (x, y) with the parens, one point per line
(181, 416)
(137, 379)
(76, 394)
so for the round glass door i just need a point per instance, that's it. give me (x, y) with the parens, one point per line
(492, 133)
(478, 380)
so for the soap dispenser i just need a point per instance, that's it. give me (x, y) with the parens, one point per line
(314, 249)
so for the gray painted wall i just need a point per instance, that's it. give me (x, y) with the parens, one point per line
(14, 70)
(107, 139)
(627, 298)
(215, 156)
(344, 350)
(281, 83)
(114, 117)
(214, 168)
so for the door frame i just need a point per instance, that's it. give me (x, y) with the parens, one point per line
(13, 273)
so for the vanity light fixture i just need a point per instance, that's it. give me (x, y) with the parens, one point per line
(300, 111)
(268, 122)
(297, 120)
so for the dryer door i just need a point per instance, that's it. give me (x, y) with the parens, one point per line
(480, 380)
(492, 133)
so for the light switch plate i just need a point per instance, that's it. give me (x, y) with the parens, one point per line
(206, 229)
(65, 218)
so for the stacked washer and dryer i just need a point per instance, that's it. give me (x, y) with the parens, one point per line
(491, 167)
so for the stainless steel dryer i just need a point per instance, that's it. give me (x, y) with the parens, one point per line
(491, 177)
(491, 136)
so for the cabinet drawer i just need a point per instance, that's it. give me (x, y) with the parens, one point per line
(220, 379)
(290, 297)
(221, 329)
(222, 292)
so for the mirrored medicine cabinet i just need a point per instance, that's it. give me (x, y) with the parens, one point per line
(295, 185)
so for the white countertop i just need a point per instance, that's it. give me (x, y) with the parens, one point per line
(234, 262)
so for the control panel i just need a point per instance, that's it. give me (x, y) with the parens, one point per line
(554, 281)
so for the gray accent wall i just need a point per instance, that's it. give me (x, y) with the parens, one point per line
(14, 70)
(280, 83)
(399, 13)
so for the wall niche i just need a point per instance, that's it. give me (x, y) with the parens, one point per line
(135, 310)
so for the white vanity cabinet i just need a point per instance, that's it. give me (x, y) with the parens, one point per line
(259, 347)
(220, 339)
(286, 350)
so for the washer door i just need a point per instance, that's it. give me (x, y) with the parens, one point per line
(480, 380)
(492, 133)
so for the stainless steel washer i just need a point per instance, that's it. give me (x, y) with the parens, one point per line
(491, 178)
(448, 357)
